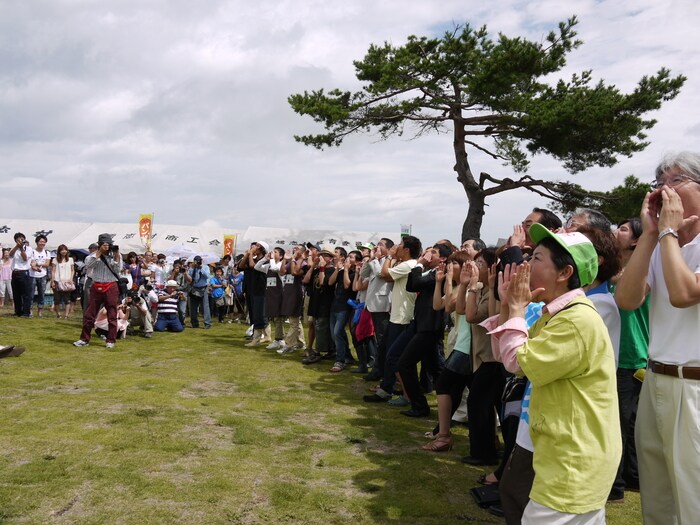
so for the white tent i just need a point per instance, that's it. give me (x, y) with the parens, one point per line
(125, 235)
(57, 232)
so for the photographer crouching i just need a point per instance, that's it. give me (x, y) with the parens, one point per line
(138, 312)
(168, 318)
(105, 265)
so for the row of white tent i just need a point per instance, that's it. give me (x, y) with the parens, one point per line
(177, 240)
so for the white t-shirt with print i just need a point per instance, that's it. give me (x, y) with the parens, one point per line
(40, 259)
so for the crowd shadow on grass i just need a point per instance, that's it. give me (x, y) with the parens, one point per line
(405, 484)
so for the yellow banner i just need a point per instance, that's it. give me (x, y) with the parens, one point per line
(145, 228)
(230, 244)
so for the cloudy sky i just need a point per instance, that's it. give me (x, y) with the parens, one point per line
(114, 108)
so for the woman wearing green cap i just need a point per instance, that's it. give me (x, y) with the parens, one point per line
(568, 357)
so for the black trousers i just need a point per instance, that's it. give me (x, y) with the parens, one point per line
(628, 389)
(421, 347)
(482, 404)
(22, 291)
(515, 484)
(381, 322)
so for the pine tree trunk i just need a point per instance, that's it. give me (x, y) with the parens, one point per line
(475, 194)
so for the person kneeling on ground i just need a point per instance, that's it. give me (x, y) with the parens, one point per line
(168, 320)
(138, 313)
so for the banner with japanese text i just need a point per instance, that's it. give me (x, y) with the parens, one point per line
(230, 244)
(145, 228)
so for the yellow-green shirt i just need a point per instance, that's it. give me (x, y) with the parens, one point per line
(574, 418)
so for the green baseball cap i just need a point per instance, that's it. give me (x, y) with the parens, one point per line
(577, 245)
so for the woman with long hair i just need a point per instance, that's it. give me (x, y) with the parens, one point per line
(62, 282)
(458, 368)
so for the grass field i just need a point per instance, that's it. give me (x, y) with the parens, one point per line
(195, 428)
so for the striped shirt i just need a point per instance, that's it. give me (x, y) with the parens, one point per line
(100, 271)
(166, 306)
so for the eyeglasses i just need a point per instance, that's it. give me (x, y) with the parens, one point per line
(571, 223)
(674, 181)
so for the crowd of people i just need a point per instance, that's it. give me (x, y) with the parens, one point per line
(578, 340)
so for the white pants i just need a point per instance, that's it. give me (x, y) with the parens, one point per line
(536, 514)
(6, 289)
(667, 435)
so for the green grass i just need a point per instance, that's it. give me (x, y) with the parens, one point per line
(195, 428)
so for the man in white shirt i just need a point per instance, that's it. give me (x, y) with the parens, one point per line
(666, 265)
(21, 255)
(397, 266)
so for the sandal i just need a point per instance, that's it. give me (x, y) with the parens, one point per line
(483, 481)
(337, 367)
(440, 444)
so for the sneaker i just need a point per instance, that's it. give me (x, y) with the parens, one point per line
(109, 345)
(286, 350)
(103, 337)
(274, 345)
(80, 342)
(399, 402)
(148, 335)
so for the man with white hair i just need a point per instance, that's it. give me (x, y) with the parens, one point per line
(666, 265)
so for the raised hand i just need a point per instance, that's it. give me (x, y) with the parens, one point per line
(651, 207)
(493, 275)
(440, 273)
(671, 215)
(518, 237)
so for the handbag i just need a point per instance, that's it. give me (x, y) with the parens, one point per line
(122, 282)
(65, 286)
(365, 326)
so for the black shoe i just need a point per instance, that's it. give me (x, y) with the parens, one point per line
(478, 462)
(372, 376)
(359, 370)
(313, 358)
(328, 356)
(496, 510)
(416, 413)
(374, 398)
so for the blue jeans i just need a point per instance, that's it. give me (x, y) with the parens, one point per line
(196, 304)
(397, 337)
(182, 310)
(340, 337)
(168, 323)
(39, 283)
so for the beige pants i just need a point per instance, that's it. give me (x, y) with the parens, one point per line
(277, 324)
(667, 435)
(138, 318)
(295, 334)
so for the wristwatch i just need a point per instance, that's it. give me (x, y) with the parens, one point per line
(667, 231)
